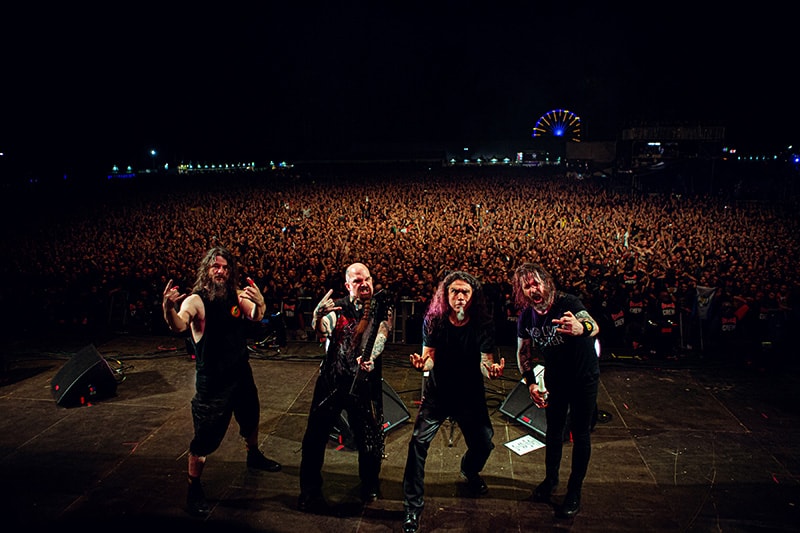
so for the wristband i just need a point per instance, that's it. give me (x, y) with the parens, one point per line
(530, 377)
(588, 328)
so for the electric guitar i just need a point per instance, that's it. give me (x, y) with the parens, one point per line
(376, 311)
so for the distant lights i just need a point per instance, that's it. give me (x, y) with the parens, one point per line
(193, 167)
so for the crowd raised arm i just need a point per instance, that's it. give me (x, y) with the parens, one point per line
(410, 225)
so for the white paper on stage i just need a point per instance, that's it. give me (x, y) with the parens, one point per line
(524, 444)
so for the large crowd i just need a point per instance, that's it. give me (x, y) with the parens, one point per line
(84, 265)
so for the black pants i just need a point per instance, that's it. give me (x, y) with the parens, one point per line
(579, 400)
(214, 404)
(478, 433)
(365, 422)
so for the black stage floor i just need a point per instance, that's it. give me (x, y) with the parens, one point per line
(681, 445)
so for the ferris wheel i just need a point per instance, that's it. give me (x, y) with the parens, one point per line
(559, 123)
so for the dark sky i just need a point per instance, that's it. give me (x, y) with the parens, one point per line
(286, 80)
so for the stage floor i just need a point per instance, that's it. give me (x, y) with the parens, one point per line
(680, 446)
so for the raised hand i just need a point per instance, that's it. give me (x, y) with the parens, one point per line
(325, 306)
(172, 297)
(568, 324)
(253, 293)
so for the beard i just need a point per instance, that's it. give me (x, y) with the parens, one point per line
(364, 295)
(461, 315)
(218, 290)
(542, 305)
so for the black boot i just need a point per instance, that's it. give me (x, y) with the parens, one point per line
(544, 491)
(196, 504)
(257, 461)
(411, 520)
(571, 505)
(314, 503)
(370, 492)
(475, 483)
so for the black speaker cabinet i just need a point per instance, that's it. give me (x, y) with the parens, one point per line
(86, 377)
(519, 406)
(394, 410)
(394, 414)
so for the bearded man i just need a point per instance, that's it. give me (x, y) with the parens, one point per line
(217, 312)
(556, 326)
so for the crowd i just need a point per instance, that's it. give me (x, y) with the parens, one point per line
(620, 250)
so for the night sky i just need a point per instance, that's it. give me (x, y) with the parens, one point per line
(87, 88)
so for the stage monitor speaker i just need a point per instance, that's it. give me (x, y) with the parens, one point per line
(519, 406)
(394, 410)
(394, 414)
(85, 377)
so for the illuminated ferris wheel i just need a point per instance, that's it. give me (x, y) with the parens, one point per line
(559, 123)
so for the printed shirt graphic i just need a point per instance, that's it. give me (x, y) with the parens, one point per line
(341, 356)
(565, 357)
(668, 309)
(544, 333)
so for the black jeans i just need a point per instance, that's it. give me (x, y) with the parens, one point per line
(365, 423)
(474, 424)
(579, 401)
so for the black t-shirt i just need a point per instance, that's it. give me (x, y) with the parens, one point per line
(566, 357)
(456, 376)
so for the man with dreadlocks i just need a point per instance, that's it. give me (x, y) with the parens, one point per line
(458, 346)
(217, 312)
